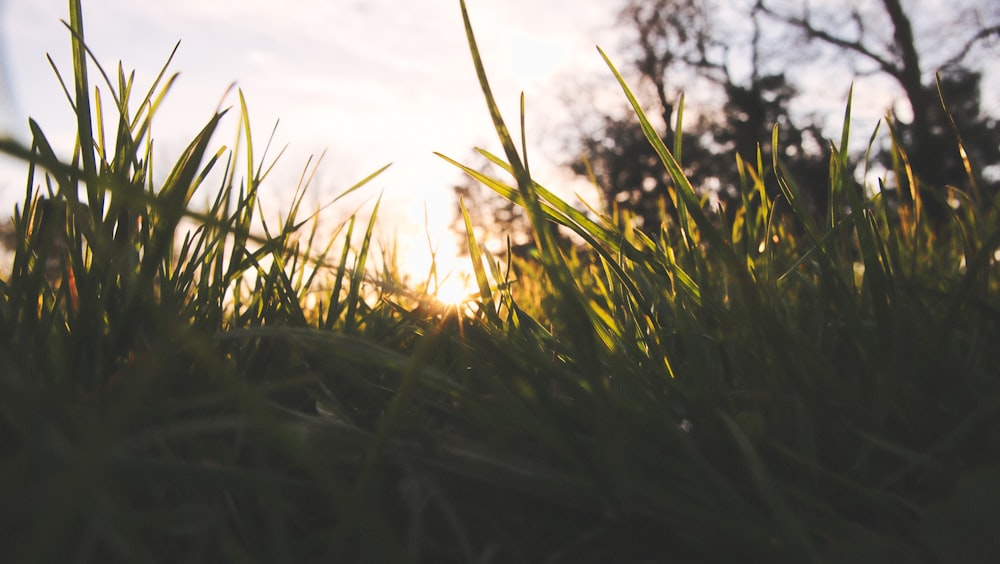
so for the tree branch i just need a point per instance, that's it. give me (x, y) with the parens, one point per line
(984, 33)
(889, 67)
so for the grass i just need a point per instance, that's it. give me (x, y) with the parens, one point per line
(770, 387)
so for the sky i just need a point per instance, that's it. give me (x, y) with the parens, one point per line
(366, 82)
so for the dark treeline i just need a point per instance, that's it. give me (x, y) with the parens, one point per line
(751, 55)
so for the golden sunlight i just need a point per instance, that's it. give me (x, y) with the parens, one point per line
(435, 261)
(456, 288)
(441, 273)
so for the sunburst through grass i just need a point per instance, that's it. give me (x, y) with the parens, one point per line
(455, 289)
(438, 266)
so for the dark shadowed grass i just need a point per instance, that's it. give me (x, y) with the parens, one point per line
(756, 385)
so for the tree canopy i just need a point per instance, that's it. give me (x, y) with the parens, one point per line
(748, 53)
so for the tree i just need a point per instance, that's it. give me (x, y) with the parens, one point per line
(748, 53)
(748, 117)
(626, 171)
(668, 34)
(674, 42)
(856, 35)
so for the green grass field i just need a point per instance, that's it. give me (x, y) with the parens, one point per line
(759, 386)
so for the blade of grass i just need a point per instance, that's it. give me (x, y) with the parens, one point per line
(569, 295)
(485, 293)
(354, 297)
(82, 97)
(686, 192)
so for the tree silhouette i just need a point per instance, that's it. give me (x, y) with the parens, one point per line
(942, 164)
(861, 39)
(673, 41)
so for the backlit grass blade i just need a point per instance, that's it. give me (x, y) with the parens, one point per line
(963, 153)
(151, 101)
(245, 123)
(790, 190)
(46, 157)
(556, 208)
(602, 239)
(354, 295)
(876, 275)
(81, 84)
(172, 201)
(679, 130)
(716, 240)
(336, 305)
(520, 173)
(570, 302)
(904, 170)
(540, 226)
(485, 292)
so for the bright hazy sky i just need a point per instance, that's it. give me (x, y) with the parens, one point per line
(369, 81)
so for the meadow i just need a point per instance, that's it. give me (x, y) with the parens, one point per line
(763, 385)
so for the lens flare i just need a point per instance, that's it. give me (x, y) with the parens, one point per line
(456, 289)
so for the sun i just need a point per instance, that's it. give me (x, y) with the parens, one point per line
(440, 273)
(433, 260)
(457, 288)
